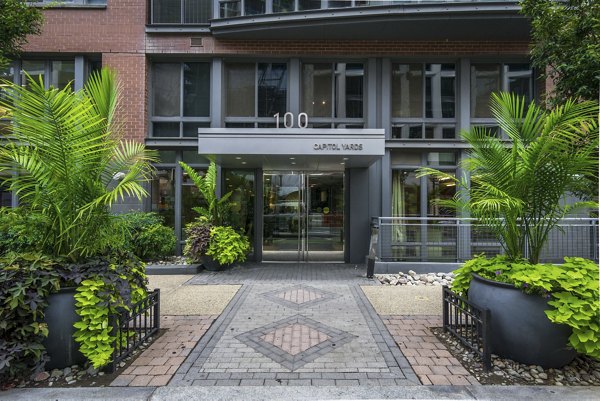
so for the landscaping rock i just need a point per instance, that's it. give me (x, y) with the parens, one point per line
(412, 278)
(41, 376)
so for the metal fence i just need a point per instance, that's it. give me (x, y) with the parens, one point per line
(132, 327)
(450, 239)
(469, 324)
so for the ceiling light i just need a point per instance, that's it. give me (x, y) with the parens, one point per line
(292, 158)
(238, 158)
(243, 162)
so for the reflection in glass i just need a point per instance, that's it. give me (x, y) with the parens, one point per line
(253, 7)
(441, 159)
(309, 4)
(196, 89)
(438, 131)
(316, 90)
(407, 131)
(62, 73)
(406, 201)
(241, 81)
(520, 80)
(272, 89)
(190, 198)
(283, 6)
(439, 189)
(241, 184)
(165, 130)
(197, 11)
(165, 84)
(440, 88)
(166, 11)
(7, 74)
(190, 130)
(485, 79)
(35, 69)
(407, 90)
(349, 86)
(229, 9)
(163, 195)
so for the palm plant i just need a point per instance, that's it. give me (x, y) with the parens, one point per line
(216, 208)
(518, 187)
(66, 159)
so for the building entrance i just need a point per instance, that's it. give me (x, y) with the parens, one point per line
(303, 216)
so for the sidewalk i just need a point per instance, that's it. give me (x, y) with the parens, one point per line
(224, 393)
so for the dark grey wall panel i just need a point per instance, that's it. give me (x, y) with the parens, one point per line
(359, 227)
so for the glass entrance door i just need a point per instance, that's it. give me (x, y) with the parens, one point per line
(303, 217)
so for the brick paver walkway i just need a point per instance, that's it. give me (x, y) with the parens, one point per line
(428, 357)
(157, 364)
(293, 324)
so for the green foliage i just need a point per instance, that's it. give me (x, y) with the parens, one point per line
(76, 164)
(566, 46)
(18, 20)
(26, 280)
(21, 231)
(572, 288)
(227, 246)
(146, 236)
(197, 240)
(518, 190)
(216, 208)
(122, 284)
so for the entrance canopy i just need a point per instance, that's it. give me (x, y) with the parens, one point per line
(292, 148)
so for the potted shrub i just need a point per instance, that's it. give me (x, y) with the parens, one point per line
(68, 163)
(517, 190)
(210, 240)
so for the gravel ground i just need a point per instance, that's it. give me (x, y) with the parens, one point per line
(179, 299)
(583, 371)
(414, 279)
(405, 300)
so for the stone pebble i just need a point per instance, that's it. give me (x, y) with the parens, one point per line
(412, 278)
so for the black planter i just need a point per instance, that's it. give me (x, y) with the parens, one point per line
(212, 265)
(60, 316)
(519, 328)
(370, 267)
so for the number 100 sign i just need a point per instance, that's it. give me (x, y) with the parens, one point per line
(288, 120)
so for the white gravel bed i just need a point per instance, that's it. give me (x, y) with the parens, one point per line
(412, 278)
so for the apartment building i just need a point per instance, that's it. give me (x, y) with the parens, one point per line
(318, 112)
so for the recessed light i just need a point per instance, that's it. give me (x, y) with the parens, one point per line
(293, 162)
(342, 163)
(238, 158)
(292, 158)
(345, 158)
(243, 162)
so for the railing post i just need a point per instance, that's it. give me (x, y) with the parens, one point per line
(485, 331)
(445, 307)
(157, 308)
(113, 324)
(379, 239)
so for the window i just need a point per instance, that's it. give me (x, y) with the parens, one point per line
(180, 99)
(69, 2)
(255, 93)
(333, 94)
(423, 101)
(181, 11)
(489, 78)
(55, 73)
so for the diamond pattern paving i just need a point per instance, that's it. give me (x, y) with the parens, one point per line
(299, 297)
(295, 338)
(295, 341)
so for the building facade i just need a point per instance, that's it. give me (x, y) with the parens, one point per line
(318, 112)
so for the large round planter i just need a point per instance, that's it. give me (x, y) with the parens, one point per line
(212, 265)
(60, 316)
(519, 328)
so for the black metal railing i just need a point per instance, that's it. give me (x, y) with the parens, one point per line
(131, 328)
(469, 324)
(178, 12)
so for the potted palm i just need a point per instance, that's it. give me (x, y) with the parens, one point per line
(67, 161)
(517, 190)
(210, 240)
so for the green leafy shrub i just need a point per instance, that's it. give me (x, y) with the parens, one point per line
(21, 230)
(113, 285)
(571, 288)
(26, 280)
(146, 236)
(227, 246)
(197, 240)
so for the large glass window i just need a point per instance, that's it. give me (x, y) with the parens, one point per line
(163, 195)
(489, 78)
(255, 93)
(333, 94)
(60, 72)
(423, 101)
(241, 184)
(180, 99)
